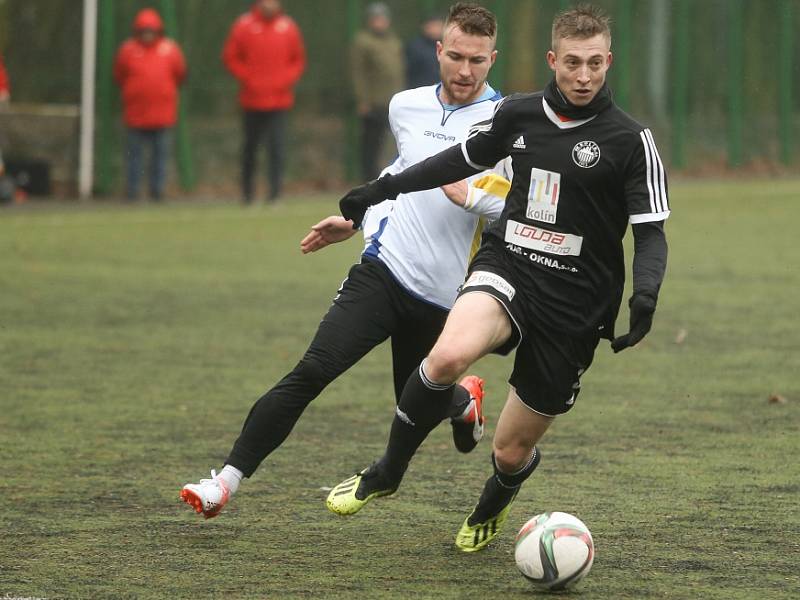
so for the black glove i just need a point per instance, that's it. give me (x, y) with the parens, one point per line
(354, 204)
(642, 307)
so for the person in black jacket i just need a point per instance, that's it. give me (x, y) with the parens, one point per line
(422, 67)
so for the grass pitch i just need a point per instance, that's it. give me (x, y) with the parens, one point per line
(133, 341)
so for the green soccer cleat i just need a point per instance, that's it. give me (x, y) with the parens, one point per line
(353, 493)
(472, 538)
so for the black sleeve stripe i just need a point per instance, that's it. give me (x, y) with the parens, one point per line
(656, 185)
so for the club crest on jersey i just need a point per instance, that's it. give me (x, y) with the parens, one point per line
(586, 154)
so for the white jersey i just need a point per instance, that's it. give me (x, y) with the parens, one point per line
(423, 238)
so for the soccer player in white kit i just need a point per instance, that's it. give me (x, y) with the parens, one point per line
(411, 269)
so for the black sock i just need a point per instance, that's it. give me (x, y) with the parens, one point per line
(459, 403)
(501, 488)
(422, 407)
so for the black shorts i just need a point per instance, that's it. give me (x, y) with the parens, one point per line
(548, 363)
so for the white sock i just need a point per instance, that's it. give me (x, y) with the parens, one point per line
(232, 478)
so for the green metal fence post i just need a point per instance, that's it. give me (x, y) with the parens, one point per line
(183, 145)
(680, 87)
(104, 96)
(735, 82)
(785, 81)
(352, 151)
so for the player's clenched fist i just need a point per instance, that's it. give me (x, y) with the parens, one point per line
(355, 203)
(642, 307)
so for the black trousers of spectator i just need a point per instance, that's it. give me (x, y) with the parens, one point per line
(373, 132)
(264, 126)
(369, 308)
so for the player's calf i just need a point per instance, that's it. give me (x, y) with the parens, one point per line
(491, 512)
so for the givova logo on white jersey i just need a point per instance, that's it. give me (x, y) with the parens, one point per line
(543, 196)
(492, 280)
(543, 240)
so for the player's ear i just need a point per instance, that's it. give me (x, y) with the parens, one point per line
(551, 60)
(493, 56)
(439, 49)
(610, 59)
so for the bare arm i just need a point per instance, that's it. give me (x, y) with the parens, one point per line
(456, 192)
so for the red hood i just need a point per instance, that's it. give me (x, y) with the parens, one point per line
(259, 15)
(148, 19)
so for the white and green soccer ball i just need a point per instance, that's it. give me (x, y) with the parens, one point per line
(554, 550)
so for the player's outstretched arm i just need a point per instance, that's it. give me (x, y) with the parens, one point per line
(649, 266)
(446, 167)
(329, 231)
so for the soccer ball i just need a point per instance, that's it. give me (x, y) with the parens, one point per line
(554, 550)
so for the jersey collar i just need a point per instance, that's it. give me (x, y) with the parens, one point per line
(559, 121)
(488, 94)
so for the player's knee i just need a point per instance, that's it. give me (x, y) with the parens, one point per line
(313, 372)
(444, 365)
(511, 457)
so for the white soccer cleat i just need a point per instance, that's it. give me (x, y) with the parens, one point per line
(208, 496)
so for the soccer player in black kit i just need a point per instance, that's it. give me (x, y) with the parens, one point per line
(548, 279)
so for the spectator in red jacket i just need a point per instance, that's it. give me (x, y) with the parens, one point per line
(149, 68)
(264, 52)
(5, 90)
(6, 184)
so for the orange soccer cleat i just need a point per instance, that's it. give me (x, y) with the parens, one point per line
(468, 427)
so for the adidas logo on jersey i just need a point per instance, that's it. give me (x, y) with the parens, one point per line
(520, 143)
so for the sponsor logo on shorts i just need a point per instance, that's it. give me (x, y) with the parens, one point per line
(543, 240)
(543, 196)
(493, 280)
(586, 154)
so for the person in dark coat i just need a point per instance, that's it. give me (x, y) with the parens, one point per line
(422, 66)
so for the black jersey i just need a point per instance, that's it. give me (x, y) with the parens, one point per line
(576, 186)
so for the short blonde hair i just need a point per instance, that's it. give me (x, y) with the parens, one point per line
(582, 22)
(472, 19)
